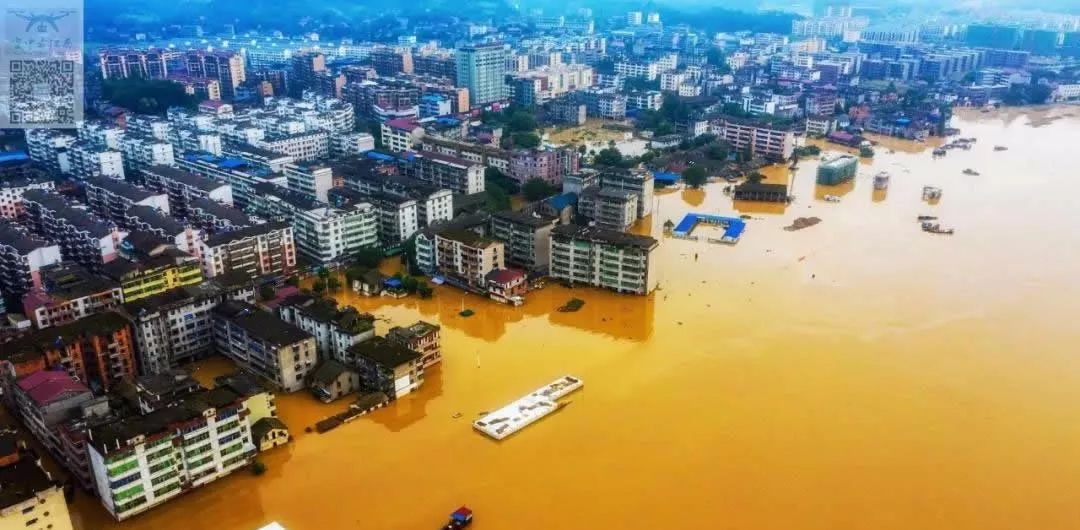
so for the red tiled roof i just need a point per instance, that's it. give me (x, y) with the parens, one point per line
(47, 386)
(504, 276)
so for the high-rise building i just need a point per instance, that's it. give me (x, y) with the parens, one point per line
(634, 18)
(482, 69)
(993, 36)
(143, 64)
(226, 67)
(305, 67)
(603, 258)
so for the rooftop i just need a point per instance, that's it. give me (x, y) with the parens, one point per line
(21, 481)
(220, 211)
(48, 386)
(68, 281)
(74, 216)
(156, 219)
(600, 235)
(533, 220)
(185, 177)
(42, 340)
(327, 372)
(383, 352)
(120, 187)
(112, 436)
(260, 324)
(20, 240)
(467, 237)
(231, 236)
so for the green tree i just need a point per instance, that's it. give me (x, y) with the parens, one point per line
(695, 176)
(333, 283)
(368, 257)
(319, 287)
(147, 96)
(424, 290)
(610, 156)
(526, 140)
(717, 151)
(521, 121)
(755, 178)
(375, 129)
(664, 128)
(293, 281)
(267, 292)
(536, 189)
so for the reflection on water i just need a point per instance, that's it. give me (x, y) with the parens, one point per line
(839, 190)
(693, 196)
(856, 374)
(877, 195)
(752, 207)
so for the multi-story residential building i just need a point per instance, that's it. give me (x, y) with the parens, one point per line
(22, 257)
(435, 105)
(482, 69)
(540, 85)
(227, 67)
(821, 103)
(388, 367)
(389, 61)
(44, 400)
(433, 204)
(50, 148)
(422, 338)
(401, 134)
(603, 258)
(183, 186)
(83, 238)
(483, 155)
(11, 192)
(90, 161)
(306, 67)
(141, 461)
(110, 199)
(329, 235)
(182, 235)
(644, 100)
(638, 181)
(335, 330)
(264, 344)
(549, 165)
(526, 238)
(603, 102)
(176, 327)
(649, 70)
(31, 497)
(398, 217)
(140, 151)
(611, 209)
(68, 293)
(761, 139)
(260, 250)
(167, 269)
(447, 172)
(142, 64)
(214, 218)
(302, 146)
(242, 176)
(98, 349)
(466, 257)
(311, 180)
(102, 134)
(436, 63)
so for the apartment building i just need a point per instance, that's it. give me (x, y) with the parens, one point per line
(260, 250)
(214, 218)
(549, 164)
(184, 186)
(241, 175)
(648, 70)
(335, 330)
(329, 235)
(401, 134)
(11, 192)
(50, 148)
(644, 100)
(44, 400)
(110, 198)
(526, 238)
(226, 67)
(301, 146)
(423, 338)
(447, 172)
(142, 461)
(611, 209)
(176, 327)
(388, 367)
(31, 498)
(182, 235)
(603, 258)
(22, 256)
(485, 156)
(166, 269)
(482, 69)
(638, 181)
(603, 102)
(761, 139)
(467, 257)
(264, 344)
(98, 349)
(117, 63)
(141, 151)
(312, 180)
(83, 238)
(433, 204)
(68, 293)
(91, 161)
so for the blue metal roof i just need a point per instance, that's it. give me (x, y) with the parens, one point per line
(380, 156)
(666, 177)
(733, 226)
(13, 156)
(232, 163)
(559, 202)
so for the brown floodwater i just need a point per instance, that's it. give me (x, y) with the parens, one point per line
(857, 374)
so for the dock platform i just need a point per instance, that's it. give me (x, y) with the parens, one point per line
(526, 410)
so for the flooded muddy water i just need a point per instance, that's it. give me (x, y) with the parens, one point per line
(857, 374)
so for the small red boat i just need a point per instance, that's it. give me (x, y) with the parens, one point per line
(461, 518)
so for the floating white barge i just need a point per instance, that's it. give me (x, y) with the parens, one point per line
(524, 411)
